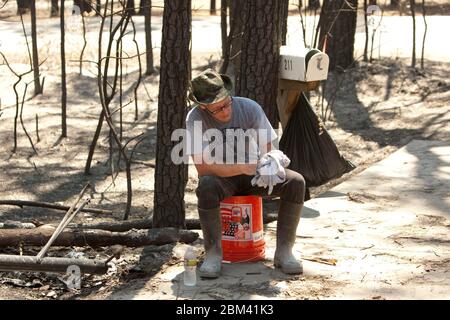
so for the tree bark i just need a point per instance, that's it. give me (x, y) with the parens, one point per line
(170, 178)
(94, 238)
(54, 10)
(130, 7)
(232, 59)
(37, 82)
(212, 7)
(337, 27)
(283, 16)
(224, 26)
(412, 4)
(366, 30)
(147, 9)
(261, 41)
(313, 4)
(424, 34)
(84, 5)
(23, 6)
(63, 75)
(395, 3)
(98, 7)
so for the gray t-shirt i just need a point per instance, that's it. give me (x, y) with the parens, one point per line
(239, 139)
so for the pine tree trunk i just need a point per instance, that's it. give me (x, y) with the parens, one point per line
(233, 54)
(313, 4)
(98, 7)
(37, 82)
(412, 4)
(283, 16)
(84, 5)
(395, 3)
(23, 6)
(147, 10)
(170, 179)
(224, 26)
(142, 5)
(63, 76)
(130, 7)
(366, 30)
(424, 34)
(261, 41)
(54, 10)
(337, 28)
(212, 7)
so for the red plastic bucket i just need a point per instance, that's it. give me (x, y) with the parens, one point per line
(242, 229)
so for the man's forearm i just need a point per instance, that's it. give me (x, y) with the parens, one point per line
(220, 170)
(225, 170)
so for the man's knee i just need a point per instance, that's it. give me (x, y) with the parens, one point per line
(208, 192)
(295, 189)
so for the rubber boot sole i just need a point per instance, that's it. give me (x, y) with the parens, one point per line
(209, 275)
(287, 270)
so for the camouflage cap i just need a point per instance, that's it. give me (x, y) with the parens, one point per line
(209, 87)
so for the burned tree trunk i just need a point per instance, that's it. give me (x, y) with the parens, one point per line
(171, 178)
(212, 7)
(261, 41)
(412, 4)
(424, 34)
(98, 7)
(283, 16)
(147, 9)
(313, 4)
(337, 31)
(130, 7)
(366, 31)
(232, 53)
(84, 5)
(224, 26)
(63, 75)
(23, 6)
(54, 9)
(395, 3)
(37, 82)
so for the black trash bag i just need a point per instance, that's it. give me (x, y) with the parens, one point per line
(312, 151)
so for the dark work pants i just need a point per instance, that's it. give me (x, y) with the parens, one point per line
(212, 189)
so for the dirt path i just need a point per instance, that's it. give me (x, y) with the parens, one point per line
(383, 234)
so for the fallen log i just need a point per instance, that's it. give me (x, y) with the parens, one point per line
(119, 226)
(95, 238)
(122, 226)
(17, 225)
(60, 265)
(22, 203)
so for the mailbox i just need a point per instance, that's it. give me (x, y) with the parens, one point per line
(301, 69)
(303, 64)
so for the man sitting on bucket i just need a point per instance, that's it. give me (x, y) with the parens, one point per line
(216, 109)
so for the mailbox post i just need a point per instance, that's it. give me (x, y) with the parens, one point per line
(300, 69)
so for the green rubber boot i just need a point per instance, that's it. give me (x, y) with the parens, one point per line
(211, 223)
(288, 219)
